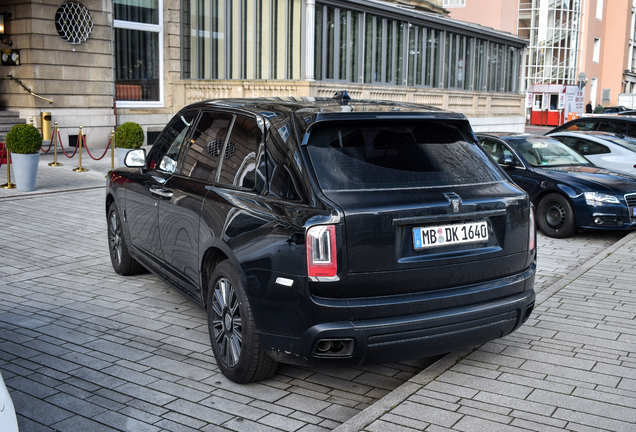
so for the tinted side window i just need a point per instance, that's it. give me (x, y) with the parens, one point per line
(567, 140)
(206, 145)
(586, 147)
(582, 126)
(283, 165)
(611, 126)
(165, 151)
(241, 153)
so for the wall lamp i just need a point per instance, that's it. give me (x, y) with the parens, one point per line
(3, 17)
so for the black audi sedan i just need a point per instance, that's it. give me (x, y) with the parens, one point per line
(569, 192)
(327, 232)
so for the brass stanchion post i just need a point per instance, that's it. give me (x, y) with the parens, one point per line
(112, 149)
(8, 184)
(80, 138)
(55, 162)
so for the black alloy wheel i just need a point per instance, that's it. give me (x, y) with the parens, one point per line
(120, 258)
(227, 324)
(232, 329)
(555, 216)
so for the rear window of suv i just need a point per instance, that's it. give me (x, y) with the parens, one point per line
(363, 155)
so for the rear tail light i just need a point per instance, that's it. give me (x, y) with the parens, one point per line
(533, 231)
(321, 251)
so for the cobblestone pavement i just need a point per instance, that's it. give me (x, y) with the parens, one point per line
(570, 367)
(82, 348)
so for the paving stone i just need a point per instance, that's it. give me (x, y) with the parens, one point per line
(175, 367)
(30, 387)
(427, 414)
(303, 403)
(197, 411)
(226, 405)
(25, 424)
(185, 421)
(75, 405)
(37, 409)
(144, 393)
(282, 423)
(471, 424)
(338, 413)
(124, 423)
(78, 423)
(167, 425)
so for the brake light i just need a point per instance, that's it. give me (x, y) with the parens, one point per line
(321, 251)
(533, 231)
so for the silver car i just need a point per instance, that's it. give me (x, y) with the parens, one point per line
(604, 149)
(8, 420)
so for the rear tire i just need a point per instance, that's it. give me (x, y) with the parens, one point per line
(233, 334)
(555, 216)
(123, 263)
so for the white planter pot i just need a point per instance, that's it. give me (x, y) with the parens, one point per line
(121, 155)
(25, 169)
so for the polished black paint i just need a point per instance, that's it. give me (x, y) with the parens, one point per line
(394, 302)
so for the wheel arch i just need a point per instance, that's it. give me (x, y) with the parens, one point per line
(109, 200)
(211, 258)
(566, 191)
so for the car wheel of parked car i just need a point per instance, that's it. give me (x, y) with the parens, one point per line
(123, 263)
(556, 216)
(235, 342)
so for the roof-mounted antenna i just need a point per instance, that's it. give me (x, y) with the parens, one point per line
(343, 97)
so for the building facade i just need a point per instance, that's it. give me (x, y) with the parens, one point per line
(567, 38)
(103, 62)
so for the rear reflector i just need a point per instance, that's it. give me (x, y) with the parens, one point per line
(532, 243)
(321, 251)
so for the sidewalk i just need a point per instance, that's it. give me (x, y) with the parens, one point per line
(572, 366)
(62, 178)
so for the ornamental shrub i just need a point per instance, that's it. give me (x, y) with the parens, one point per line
(129, 135)
(23, 139)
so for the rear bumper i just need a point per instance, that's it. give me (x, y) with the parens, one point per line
(405, 337)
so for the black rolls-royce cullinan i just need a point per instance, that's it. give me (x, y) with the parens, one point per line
(327, 231)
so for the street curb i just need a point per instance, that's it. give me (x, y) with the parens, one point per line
(400, 394)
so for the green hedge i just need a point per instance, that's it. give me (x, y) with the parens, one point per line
(129, 135)
(23, 139)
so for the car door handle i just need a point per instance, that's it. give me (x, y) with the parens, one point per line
(161, 192)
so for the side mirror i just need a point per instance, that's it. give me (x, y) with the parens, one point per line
(506, 161)
(135, 158)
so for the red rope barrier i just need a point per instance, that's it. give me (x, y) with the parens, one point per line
(50, 144)
(88, 151)
(48, 149)
(62, 147)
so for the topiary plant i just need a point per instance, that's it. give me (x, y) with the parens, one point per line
(23, 139)
(129, 135)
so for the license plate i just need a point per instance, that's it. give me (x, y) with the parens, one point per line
(446, 235)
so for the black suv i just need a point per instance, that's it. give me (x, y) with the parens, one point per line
(327, 232)
(622, 125)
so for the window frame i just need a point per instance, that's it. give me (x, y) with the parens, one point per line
(596, 50)
(151, 28)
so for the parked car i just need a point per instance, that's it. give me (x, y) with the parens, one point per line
(604, 149)
(628, 112)
(569, 192)
(614, 109)
(8, 419)
(327, 232)
(624, 125)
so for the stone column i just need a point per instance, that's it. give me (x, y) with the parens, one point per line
(310, 39)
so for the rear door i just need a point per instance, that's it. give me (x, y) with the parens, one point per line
(182, 203)
(147, 188)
